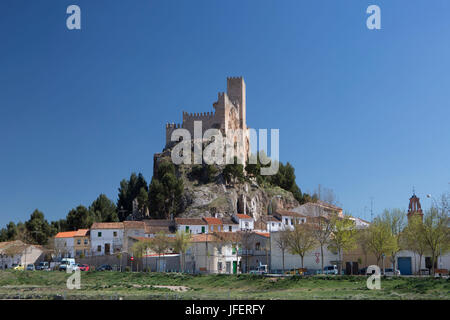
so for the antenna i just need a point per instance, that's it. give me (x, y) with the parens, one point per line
(371, 209)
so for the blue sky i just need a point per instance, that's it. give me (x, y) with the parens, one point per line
(363, 112)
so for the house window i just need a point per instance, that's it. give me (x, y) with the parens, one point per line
(115, 233)
(99, 234)
(230, 228)
(85, 241)
(292, 222)
(286, 221)
(273, 224)
(257, 246)
(203, 229)
(99, 248)
(246, 224)
(187, 229)
(219, 266)
(211, 228)
(78, 241)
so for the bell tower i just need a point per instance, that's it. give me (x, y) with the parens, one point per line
(414, 208)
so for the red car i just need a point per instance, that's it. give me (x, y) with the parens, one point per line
(83, 267)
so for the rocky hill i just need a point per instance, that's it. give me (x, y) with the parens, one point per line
(200, 199)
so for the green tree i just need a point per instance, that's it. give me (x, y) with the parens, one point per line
(436, 232)
(343, 237)
(38, 228)
(165, 191)
(104, 210)
(181, 243)
(11, 231)
(413, 237)
(142, 199)
(79, 218)
(395, 219)
(233, 172)
(380, 239)
(301, 240)
(128, 191)
(159, 244)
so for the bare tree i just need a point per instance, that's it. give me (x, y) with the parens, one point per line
(159, 244)
(321, 229)
(301, 240)
(282, 242)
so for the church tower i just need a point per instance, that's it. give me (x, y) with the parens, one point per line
(414, 208)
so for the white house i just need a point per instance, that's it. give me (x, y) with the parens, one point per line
(229, 225)
(272, 224)
(106, 237)
(65, 244)
(191, 225)
(132, 229)
(18, 252)
(312, 260)
(289, 218)
(245, 221)
(210, 254)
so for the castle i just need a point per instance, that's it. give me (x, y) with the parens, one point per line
(228, 116)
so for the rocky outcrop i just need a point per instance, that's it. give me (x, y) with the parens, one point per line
(221, 199)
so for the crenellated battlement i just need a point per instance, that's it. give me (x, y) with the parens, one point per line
(198, 115)
(228, 114)
(173, 125)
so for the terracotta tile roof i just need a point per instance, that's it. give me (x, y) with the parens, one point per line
(190, 221)
(264, 234)
(328, 205)
(133, 224)
(213, 220)
(243, 216)
(270, 218)
(229, 221)
(289, 214)
(67, 234)
(159, 222)
(107, 225)
(203, 237)
(81, 233)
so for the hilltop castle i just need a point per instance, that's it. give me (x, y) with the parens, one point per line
(228, 116)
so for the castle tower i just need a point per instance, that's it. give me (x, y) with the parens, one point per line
(236, 93)
(414, 208)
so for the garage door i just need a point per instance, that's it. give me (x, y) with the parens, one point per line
(404, 265)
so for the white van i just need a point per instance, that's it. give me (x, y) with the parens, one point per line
(68, 264)
(330, 269)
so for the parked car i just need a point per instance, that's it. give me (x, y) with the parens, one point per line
(83, 267)
(43, 266)
(68, 264)
(390, 272)
(330, 269)
(104, 267)
(30, 267)
(16, 266)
